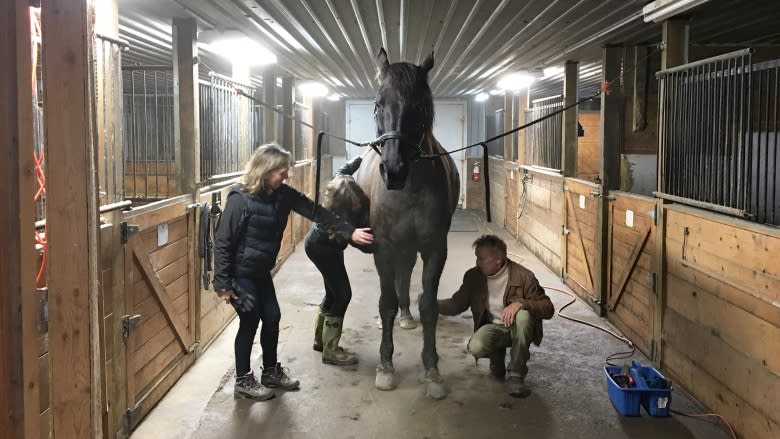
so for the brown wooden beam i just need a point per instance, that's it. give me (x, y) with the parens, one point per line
(520, 120)
(269, 97)
(72, 219)
(19, 387)
(676, 42)
(508, 98)
(569, 134)
(611, 140)
(186, 114)
(288, 108)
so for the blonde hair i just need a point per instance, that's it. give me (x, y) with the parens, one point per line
(266, 158)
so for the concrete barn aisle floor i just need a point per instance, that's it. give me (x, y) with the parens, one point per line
(569, 398)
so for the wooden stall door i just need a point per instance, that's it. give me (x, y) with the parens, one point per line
(160, 304)
(631, 296)
(580, 230)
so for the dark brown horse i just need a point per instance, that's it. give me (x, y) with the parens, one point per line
(413, 196)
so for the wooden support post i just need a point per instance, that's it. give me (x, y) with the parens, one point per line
(611, 139)
(186, 113)
(640, 88)
(73, 220)
(520, 120)
(19, 387)
(569, 123)
(675, 52)
(269, 97)
(288, 107)
(508, 97)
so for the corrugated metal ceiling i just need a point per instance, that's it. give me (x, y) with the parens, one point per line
(475, 41)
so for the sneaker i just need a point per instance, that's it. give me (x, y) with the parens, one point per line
(516, 387)
(277, 378)
(247, 386)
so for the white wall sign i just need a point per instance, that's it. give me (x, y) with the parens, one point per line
(162, 234)
(630, 218)
(582, 201)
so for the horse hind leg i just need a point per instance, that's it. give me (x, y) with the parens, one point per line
(433, 265)
(388, 308)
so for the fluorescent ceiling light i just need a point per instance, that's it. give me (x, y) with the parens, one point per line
(482, 97)
(496, 92)
(515, 81)
(660, 10)
(241, 49)
(313, 89)
(334, 97)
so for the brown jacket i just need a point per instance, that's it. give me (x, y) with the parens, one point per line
(522, 287)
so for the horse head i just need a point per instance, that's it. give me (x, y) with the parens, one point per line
(403, 112)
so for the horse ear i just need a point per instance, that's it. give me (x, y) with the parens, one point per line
(427, 63)
(382, 63)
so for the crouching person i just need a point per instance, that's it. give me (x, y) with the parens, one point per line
(508, 306)
(343, 197)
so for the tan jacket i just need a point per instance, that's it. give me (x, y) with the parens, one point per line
(522, 287)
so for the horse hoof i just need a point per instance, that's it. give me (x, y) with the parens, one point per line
(385, 379)
(407, 321)
(434, 385)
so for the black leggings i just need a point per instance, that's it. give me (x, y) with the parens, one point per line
(266, 309)
(329, 261)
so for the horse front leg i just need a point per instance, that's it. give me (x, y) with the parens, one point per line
(388, 308)
(433, 265)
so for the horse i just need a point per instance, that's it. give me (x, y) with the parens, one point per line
(413, 187)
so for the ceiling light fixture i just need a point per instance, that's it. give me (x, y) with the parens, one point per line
(482, 97)
(515, 81)
(236, 47)
(312, 89)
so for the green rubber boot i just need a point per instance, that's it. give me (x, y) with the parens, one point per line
(332, 353)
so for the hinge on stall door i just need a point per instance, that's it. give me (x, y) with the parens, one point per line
(125, 230)
(128, 323)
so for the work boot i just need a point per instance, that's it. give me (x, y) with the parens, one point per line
(332, 352)
(276, 378)
(516, 387)
(497, 364)
(317, 346)
(248, 387)
(406, 319)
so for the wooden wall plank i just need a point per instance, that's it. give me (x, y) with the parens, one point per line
(19, 384)
(743, 417)
(158, 288)
(73, 239)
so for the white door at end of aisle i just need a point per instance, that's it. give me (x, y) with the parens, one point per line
(449, 128)
(360, 126)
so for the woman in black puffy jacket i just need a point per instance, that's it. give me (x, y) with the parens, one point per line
(246, 244)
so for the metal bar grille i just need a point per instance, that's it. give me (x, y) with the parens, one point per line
(719, 135)
(543, 140)
(148, 141)
(230, 127)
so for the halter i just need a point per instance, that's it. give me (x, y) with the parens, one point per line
(396, 135)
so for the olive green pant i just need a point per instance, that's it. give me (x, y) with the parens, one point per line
(492, 338)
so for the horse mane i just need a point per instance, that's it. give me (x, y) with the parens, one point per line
(411, 82)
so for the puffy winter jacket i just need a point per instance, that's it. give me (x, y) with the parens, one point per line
(249, 233)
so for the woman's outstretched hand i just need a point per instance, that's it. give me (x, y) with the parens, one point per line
(363, 236)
